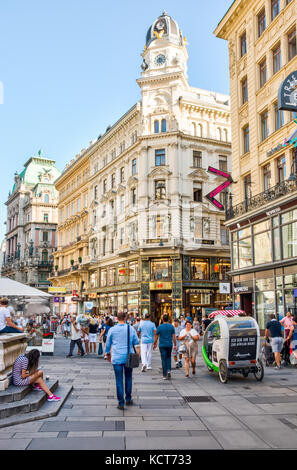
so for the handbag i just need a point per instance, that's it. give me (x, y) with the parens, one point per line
(100, 349)
(132, 358)
(182, 349)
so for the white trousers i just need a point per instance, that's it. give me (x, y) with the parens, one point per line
(146, 354)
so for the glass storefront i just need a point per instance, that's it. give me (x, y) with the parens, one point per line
(133, 271)
(121, 274)
(262, 246)
(133, 302)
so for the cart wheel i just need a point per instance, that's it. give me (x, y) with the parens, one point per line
(245, 373)
(260, 371)
(223, 371)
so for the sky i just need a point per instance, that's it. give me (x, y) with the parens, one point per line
(68, 69)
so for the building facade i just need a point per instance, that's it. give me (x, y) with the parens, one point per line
(156, 244)
(262, 211)
(31, 225)
(70, 269)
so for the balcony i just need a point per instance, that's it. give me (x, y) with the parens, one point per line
(255, 202)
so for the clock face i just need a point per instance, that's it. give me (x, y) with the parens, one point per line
(160, 25)
(160, 59)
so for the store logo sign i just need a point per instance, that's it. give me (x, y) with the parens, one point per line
(211, 196)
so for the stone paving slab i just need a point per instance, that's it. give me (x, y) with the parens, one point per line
(79, 426)
(263, 422)
(239, 440)
(81, 443)
(14, 444)
(172, 443)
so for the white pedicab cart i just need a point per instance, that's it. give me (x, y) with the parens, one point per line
(231, 344)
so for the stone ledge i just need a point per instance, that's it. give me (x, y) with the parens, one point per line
(12, 345)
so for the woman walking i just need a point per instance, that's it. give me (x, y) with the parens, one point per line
(293, 335)
(190, 338)
(25, 372)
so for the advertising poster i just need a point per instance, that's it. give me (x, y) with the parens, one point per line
(242, 348)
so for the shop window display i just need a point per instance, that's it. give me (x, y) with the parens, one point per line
(122, 274)
(199, 269)
(161, 269)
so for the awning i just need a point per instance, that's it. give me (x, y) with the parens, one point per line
(226, 313)
(9, 288)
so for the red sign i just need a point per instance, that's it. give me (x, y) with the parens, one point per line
(211, 196)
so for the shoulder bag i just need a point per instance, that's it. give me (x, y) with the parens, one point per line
(132, 358)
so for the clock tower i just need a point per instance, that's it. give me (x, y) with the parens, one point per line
(164, 75)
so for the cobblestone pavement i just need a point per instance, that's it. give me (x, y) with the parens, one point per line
(242, 414)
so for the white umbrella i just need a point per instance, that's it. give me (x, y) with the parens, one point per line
(9, 288)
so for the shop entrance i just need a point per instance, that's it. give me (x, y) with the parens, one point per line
(161, 303)
(246, 303)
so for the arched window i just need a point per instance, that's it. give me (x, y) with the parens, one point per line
(163, 125)
(46, 198)
(156, 127)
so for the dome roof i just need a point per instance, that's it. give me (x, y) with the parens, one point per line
(164, 27)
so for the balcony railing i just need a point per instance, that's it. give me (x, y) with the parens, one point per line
(261, 199)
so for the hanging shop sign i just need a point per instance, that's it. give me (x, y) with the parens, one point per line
(238, 290)
(57, 290)
(287, 94)
(225, 288)
(211, 196)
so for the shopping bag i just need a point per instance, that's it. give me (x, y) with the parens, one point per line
(100, 349)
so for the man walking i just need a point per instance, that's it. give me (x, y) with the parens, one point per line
(275, 329)
(75, 337)
(166, 335)
(146, 334)
(117, 351)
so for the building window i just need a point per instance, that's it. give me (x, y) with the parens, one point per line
(113, 180)
(243, 45)
(121, 274)
(160, 157)
(264, 125)
(197, 159)
(156, 127)
(134, 166)
(163, 125)
(122, 174)
(276, 54)
(278, 117)
(160, 189)
(261, 22)
(263, 72)
(266, 177)
(199, 269)
(103, 277)
(133, 196)
(292, 45)
(95, 192)
(44, 256)
(244, 90)
(104, 186)
(45, 236)
(223, 163)
(247, 184)
(197, 192)
(46, 198)
(246, 139)
(133, 271)
(274, 9)
(161, 269)
(281, 169)
(45, 218)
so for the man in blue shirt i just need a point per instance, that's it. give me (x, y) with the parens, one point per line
(166, 334)
(146, 331)
(116, 351)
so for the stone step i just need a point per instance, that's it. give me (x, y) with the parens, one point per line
(32, 401)
(48, 410)
(13, 393)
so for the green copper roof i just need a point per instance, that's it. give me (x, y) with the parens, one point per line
(39, 170)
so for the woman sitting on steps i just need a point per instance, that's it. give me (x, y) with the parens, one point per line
(25, 372)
